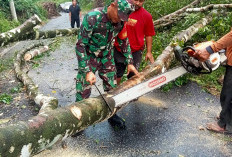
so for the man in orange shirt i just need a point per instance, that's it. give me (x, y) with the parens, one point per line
(224, 123)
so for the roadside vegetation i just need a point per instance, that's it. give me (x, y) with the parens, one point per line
(26, 8)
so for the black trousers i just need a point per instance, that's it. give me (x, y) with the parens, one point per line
(137, 59)
(73, 21)
(119, 59)
(226, 101)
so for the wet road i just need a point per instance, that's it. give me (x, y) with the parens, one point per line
(60, 22)
(163, 124)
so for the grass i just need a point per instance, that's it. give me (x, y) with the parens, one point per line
(16, 89)
(6, 64)
(5, 98)
(164, 7)
(210, 82)
(5, 24)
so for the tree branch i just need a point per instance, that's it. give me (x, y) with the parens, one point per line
(174, 14)
(209, 7)
(21, 32)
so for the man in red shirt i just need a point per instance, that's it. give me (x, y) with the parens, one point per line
(138, 27)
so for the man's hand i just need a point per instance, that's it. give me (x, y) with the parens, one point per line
(90, 77)
(131, 68)
(150, 57)
(202, 55)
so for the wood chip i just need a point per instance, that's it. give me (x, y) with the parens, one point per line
(201, 128)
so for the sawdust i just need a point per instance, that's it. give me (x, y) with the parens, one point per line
(152, 101)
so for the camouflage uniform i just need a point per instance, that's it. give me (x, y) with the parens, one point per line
(94, 51)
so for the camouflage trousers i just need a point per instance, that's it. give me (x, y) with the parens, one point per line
(106, 70)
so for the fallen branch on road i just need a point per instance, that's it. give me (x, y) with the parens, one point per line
(168, 18)
(46, 103)
(26, 31)
(21, 32)
(54, 33)
(31, 54)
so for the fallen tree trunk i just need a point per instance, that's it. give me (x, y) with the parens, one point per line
(21, 32)
(53, 33)
(177, 13)
(46, 103)
(47, 128)
(171, 21)
(26, 32)
(31, 54)
(209, 7)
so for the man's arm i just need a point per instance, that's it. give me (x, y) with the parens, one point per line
(149, 49)
(149, 32)
(79, 12)
(224, 42)
(83, 40)
(70, 14)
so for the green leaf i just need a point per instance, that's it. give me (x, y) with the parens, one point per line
(5, 98)
(23, 106)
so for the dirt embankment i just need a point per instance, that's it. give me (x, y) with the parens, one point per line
(51, 9)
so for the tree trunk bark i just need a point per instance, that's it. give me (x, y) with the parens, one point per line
(175, 14)
(29, 55)
(171, 21)
(53, 33)
(13, 11)
(46, 103)
(209, 7)
(51, 126)
(20, 32)
(25, 33)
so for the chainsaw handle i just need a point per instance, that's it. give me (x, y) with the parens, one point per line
(189, 47)
(208, 66)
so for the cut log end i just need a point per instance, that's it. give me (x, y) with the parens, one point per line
(27, 57)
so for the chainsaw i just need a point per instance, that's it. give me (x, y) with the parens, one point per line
(189, 64)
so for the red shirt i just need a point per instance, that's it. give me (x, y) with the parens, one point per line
(139, 25)
(122, 35)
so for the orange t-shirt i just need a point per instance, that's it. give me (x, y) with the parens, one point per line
(224, 43)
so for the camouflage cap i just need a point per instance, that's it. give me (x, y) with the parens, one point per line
(125, 8)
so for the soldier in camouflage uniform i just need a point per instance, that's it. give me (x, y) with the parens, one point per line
(94, 49)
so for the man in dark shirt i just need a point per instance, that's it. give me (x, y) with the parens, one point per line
(74, 14)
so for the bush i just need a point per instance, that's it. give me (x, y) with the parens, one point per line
(31, 6)
(5, 24)
(164, 7)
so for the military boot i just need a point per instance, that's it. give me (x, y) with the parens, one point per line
(117, 122)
